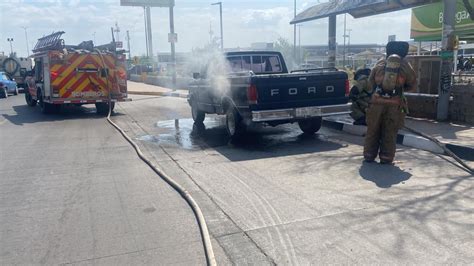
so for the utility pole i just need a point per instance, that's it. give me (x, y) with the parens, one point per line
(172, 40)
(344, 50)
(294, 32)
(299, 43)
(447, 60)
(222, 28)
(348, 48)
(211, 33)
(128, 46)
(150, 37)
(146, 31)
(93, 36)
(117, 31)
(10, 40)
(26, 37)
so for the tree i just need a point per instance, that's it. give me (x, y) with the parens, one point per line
(283, 46)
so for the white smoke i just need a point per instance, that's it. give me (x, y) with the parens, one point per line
(212, 66)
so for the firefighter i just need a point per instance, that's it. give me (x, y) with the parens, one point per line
(386, 113)
(360, 96)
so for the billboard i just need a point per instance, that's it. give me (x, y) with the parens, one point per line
(150, 3)
(427, 22)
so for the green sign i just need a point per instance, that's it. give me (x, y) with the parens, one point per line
(447, 54)
(427, 22)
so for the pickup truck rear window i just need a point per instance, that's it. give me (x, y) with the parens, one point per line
(256, 63)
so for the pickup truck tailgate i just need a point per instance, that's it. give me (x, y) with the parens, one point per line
(300, 90)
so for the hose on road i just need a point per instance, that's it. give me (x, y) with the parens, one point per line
(442, 146)
(211, 261)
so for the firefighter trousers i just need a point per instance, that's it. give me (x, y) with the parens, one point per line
(383, 122)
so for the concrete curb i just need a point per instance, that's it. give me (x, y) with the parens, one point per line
(406, 139)
(160, 93)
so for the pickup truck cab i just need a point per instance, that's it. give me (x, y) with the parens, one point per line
(261, 90)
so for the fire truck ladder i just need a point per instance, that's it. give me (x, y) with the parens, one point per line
(50, 42)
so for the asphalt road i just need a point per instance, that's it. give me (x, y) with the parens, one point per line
(72, 190)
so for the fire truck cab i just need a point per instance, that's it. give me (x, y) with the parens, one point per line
(78, 75)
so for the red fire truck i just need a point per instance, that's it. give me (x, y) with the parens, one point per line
(81, 74)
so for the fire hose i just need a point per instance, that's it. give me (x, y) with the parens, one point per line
(210, 258)
(466, 167)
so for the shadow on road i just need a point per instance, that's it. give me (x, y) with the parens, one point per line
(384, 176)
(27, 115)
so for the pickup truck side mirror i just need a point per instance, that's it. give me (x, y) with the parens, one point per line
(196, 75)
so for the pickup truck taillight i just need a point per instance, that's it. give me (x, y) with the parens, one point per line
(347, 87)
(252, 94)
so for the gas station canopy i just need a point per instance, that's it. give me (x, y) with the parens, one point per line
(356, 8)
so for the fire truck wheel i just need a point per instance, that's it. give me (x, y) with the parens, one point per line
(29, 100)
(103, 108)
(46, 108)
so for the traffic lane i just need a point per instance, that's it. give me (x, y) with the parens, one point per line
(277, 189)
(72, 190)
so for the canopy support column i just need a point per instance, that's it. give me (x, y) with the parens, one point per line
(332, 41)
(447, 59)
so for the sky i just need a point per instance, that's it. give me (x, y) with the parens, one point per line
(244, 22)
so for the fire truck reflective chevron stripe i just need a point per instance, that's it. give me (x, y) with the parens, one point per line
(79, 75)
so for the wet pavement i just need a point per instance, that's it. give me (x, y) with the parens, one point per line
(259, 141)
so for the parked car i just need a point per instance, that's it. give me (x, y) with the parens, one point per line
(263, 91)
(7, 86)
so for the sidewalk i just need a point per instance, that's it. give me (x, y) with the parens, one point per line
(457, 137)
(146, 89)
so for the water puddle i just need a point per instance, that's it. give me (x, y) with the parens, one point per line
(185, 134)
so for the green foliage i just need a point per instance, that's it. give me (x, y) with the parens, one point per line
(283, 46)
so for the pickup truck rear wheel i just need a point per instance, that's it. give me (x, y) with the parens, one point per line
(310, 126)
(234, 123)
(198, 115)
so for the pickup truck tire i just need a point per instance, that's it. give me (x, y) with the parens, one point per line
(29, 100)
(234, 123)
(310, 126)
(103, 108)
(198, 115)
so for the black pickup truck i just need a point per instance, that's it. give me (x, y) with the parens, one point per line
(262, 90)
